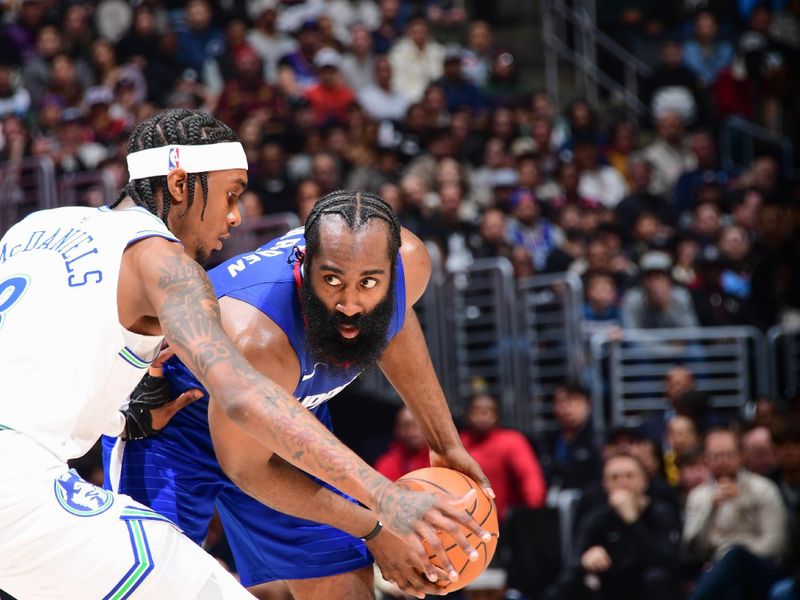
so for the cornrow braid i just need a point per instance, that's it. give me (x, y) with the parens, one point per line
(173, 126)
(356, 208)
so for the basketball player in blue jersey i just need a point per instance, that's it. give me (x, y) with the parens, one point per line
(310, 310)
(87, 296)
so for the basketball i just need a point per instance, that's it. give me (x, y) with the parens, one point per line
(438, 479)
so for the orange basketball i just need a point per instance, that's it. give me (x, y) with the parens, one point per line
(438, 479)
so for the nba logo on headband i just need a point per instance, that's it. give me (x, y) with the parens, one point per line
(174, 158)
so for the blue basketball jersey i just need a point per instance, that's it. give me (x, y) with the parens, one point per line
(176, 472)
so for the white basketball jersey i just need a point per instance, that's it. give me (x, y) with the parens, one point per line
(66, 363)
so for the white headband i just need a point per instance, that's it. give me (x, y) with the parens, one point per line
(192, 159)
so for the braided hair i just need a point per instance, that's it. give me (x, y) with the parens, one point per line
(356, 208)
(173, 126)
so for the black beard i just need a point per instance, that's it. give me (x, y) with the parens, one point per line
(327, 345)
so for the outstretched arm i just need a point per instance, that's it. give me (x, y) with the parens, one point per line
(177, 290)
(407, 365)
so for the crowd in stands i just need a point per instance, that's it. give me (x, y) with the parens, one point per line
(419, 101)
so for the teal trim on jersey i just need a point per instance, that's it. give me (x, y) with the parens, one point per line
(136, 512)
(129, 357)
(142, 564)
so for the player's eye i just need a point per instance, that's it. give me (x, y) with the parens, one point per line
(332, 280)
(232, 197)
(369, 283)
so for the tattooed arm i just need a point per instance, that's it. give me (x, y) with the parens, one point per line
(175, 288)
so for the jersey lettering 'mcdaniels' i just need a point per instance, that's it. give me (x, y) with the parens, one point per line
(73, 245)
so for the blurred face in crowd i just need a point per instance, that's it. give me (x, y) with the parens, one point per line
(479, 38)
(543, 105)
(569, 178)
(414, 191)
(671, 55)
(448, 171)
(144, 22)
(325, 171)
(601, 292)
(580, 115)
(273, 160)
(360, 40)
(624, 472)
(309, 40)
(250, 206)
(418, 32)
(703, 147)
(774, 224)
(450, 196)
(760, 20)
(48, 42)
(758, 451)
(407, 431)
(734, 244)
(765, 173)
(598, 257)
(248, 65)
(646, 227)
(745, 214)
(198, 15)
(391, 193)
(503, 124)
(482, 414)
(787, 453)
(529, 174)
(692, 474)
(383, 72)
(32, 13)
(678, 381)
(308, 192)
(62, 73)
(526, 210)
(670, 128)
(649, 455)
(493, 227)
(541, 133)
(722, 454)
(705, 28)
(571, 408)
(658, 287)
(75, 20)
(389, 8)
(640, 171)
(682, 435)
(435, 101)
(624, 138)
(706, 220)
(494, 155)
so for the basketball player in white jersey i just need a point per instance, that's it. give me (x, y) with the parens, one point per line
(86, 298)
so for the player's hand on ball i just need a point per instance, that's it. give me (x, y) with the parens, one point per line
(460, 460)
(401, 565)
(416, 517)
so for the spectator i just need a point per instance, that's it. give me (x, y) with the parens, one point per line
(416, 60)
(601, 307)
(597, 181)
(668, 153)
(504, 88)
(706, 224)
(787, 450)
(308, 192)
(358, 63)
(672, 87)
(622, 144)
(329, 97)
(504, 455)
(758, 452)
(492, 240)
(704, 147)
(626, 548)
(736, 522)
(641, 199)
(378, 100)
(530, 229)
(250, 206)
(407, 452)
(570, 455)
(459, 91)
(692, 472)
(200, 40)
(681, 439)
(657, 302)
(705, 55)
(326, 171)
(14, 98)
(477, 59)
(296, 72)
(270, 44)
(273, 185)
(21, 33)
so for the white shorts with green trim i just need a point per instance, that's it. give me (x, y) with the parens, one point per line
(61, 537)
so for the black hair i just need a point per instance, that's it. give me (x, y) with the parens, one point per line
(173, 126)
(356, 208)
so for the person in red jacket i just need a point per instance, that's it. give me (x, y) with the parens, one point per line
(408, 452)
(505, 456)
(330, 98)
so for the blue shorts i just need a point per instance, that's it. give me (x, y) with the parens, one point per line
(176, 473)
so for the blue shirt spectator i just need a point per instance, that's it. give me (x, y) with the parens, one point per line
(705, 55)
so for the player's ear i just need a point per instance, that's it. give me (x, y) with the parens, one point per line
(178, 185)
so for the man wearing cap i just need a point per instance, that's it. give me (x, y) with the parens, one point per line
(657, 302)
(329, 97)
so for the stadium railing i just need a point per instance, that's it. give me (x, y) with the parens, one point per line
(742, 141)
(549, 312)
(25, 187)
(783, 344)
(729, 365)
(91, 188)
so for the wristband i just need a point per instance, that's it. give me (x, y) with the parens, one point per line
(375, 531)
